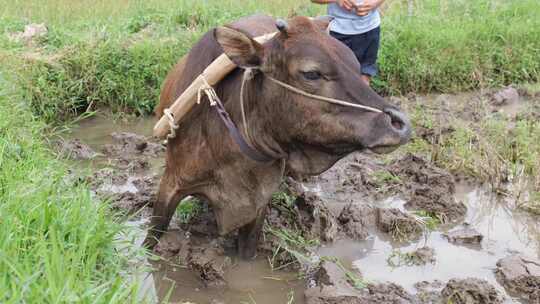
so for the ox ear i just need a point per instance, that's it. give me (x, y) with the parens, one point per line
(241, 49)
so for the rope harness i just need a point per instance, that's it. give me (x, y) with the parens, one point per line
(216, 103)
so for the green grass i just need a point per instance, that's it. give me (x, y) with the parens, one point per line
(292, 249)
(57, 244)
(116, 53)
(188, 209)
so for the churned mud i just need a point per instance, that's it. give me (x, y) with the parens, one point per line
(372, 229)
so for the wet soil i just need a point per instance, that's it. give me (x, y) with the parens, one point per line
(363, 210)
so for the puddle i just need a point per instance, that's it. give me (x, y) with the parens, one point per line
(248, 282)
(505, 231)
(96, 131)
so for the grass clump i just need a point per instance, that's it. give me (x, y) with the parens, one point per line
(188, 209)
(57, 244)
(429, 220)
(291, 250)
(459, 45)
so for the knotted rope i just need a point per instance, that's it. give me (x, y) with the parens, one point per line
(174, 126)
(206, 89)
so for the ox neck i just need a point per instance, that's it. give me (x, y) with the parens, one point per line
(256, 148)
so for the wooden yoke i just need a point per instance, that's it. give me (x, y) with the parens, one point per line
(212, 75)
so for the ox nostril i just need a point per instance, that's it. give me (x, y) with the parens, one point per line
(395, 118)
(399, 121)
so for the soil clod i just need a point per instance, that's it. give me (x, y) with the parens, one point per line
(520, 275)
(355, 220)
(470, 291)
(430, 189)
(128, 193)
(331, 286)
(464, 236)
(429, 292)
(505, 96)
(130, 143)
(75, 149)
(209, 263)
(400, 225)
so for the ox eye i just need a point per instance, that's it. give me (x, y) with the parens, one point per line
(312, 75)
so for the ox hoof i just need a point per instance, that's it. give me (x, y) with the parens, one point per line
(247, 251)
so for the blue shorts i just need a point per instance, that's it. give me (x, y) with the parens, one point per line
(366, 48)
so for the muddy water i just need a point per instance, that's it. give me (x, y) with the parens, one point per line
(96, 131)
(505, 230)
(248, 282)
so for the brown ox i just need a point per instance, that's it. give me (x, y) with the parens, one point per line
(308, 135)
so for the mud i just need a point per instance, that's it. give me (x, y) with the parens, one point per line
(428, 188)
(361, 211)
(75, 149)
(465, 235)
(423, 256)
(506, 96)
(521, 276)
(429, 292)
(400, 225)
(356, 221)
(210, 264)
(127, 193)
(331, 285)
(130, 144)
(470, 291)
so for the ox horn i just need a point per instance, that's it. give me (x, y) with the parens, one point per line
(282, 26)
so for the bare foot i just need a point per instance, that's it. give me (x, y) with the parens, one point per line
(366, 79)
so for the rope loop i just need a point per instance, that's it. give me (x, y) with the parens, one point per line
(172, 124)
(209, 91)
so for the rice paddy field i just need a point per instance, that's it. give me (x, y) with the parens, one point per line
(61, 243)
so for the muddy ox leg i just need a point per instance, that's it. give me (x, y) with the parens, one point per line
(168, 198)
(248, 236)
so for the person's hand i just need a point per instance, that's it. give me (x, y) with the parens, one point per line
(346, 4)
(367, 6)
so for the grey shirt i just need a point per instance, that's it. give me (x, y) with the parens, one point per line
(349, 23)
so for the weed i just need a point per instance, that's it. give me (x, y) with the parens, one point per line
(430, 220)
(188, 209)
(383, 177)
(398, 258)
(290, 297)
(533, 204)
(292, 248)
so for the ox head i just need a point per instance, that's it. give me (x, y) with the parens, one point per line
(306, 57)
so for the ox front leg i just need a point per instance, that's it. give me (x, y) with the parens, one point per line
(168, 198)
(248, 236)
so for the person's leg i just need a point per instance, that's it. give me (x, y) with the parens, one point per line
(368, 60)
(345, 39)
(365, 47)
